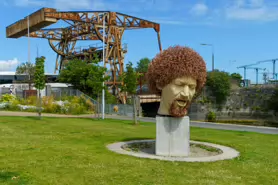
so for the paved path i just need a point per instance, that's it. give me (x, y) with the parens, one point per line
(219, 126)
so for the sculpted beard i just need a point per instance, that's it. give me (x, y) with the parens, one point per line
(178, 111)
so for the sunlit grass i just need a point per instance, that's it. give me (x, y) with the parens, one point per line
(72, 151)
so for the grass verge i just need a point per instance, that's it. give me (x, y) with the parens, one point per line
(60, 151)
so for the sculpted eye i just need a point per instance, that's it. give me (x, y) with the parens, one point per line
(179, 84)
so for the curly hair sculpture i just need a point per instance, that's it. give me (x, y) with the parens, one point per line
(176, 62)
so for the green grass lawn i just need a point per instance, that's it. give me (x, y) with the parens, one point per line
(72, 151)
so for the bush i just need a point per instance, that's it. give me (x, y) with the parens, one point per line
(71, 105)
(237, 121)
(7, 98)
(211, 117)
(76, 108)
(271, 123)
(12, 107)
(90, 106)
(256, 108)
(31, 100)
(203, 101)
(250, 122)
(115, 108)
(48, 104)
(110, 99)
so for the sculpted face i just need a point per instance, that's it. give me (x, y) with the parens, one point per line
(176, 96)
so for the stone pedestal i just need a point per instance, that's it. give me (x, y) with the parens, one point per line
(172, 136)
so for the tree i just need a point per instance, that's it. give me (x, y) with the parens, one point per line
(129, 78)
(87, 77)
(237, 77)
(27, 69)
(142, 68)
(110, 98)
(219, 84)
(142, 65)
(39, 79)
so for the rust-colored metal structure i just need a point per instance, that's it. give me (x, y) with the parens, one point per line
(84, 25)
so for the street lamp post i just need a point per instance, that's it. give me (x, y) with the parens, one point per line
(29, 53)
(28, 25)
(103, 58)
(212, 53)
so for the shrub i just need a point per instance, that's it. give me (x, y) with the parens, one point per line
(76, 108)
(211, 117)
(237, 121)
(21, 101)
(15, 102)
(31, 100)
(12, 107)
(71, 105)
(87, 103)
(90, 106)
(115, 108)
(110, 99)
(7, 98)
(203, 100)
(250, 122)
(271, 123)
(48, 104)
(256, 108)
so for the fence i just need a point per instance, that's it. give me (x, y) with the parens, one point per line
(59, 93)
(123, 109)
(4, 90)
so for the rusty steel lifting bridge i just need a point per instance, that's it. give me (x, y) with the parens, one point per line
(105, 26)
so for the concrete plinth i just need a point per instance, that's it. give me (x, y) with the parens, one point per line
(172, 136)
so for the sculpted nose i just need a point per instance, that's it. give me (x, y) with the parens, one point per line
(185, 92)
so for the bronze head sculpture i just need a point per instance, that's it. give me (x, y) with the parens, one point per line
(178, 75)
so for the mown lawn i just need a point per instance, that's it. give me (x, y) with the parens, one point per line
(72, 151)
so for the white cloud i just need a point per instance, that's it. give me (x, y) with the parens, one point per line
(8, 65)
(199, 9)
(252, 10)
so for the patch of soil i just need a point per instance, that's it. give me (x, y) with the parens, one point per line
(196, 150)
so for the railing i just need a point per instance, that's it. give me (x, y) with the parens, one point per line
(92, 48)
(87, 97)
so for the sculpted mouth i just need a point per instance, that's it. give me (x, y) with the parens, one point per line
(181, 102)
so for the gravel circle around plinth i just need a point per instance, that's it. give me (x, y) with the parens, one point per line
(199, 151)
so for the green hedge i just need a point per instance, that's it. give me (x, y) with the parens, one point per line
(250, 122)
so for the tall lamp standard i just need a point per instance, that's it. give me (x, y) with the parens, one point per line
(103, 58)
(28, 30)
(212, 57)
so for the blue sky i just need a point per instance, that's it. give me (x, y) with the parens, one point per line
(242, 31)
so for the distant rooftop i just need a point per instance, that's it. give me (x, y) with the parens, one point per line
(13, 73)
(53, 85)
